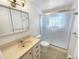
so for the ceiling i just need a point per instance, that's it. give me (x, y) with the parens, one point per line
(48, 4)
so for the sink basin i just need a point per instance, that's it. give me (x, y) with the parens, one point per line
(25, 43)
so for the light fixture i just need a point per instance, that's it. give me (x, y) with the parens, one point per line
(23, 2)
(14, 3)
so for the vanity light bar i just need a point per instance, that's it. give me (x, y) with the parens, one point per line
(13, 3)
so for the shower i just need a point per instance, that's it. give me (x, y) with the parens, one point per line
(56, 28)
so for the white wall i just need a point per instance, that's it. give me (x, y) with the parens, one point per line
(33, 17)
(50, 4)
(34, 20)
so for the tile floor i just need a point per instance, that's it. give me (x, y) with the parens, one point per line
(53, 53)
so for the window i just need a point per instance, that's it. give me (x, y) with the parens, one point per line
(56, 22)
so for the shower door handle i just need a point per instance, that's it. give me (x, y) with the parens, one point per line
(75, 34)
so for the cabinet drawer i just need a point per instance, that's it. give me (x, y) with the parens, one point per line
(37, 46)
(37, 56)
(36, 51)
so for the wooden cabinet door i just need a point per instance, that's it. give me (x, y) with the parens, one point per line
(28, 55)
(24, 57)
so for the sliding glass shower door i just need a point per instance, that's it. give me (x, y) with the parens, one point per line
(56, 28)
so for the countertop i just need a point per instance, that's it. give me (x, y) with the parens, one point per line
(16, 51)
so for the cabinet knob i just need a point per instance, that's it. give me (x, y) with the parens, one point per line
(37, 56)
(36, 47)
(30, 53)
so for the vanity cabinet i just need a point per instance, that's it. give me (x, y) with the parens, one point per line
(33, 53)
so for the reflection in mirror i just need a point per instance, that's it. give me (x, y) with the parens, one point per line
(25, 21)
(5, 22)
(16, 20)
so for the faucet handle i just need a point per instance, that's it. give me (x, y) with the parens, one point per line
(22, 42)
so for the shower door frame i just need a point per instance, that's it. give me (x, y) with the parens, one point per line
(68, 33)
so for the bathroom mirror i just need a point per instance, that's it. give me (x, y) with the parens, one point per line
(13, 20)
